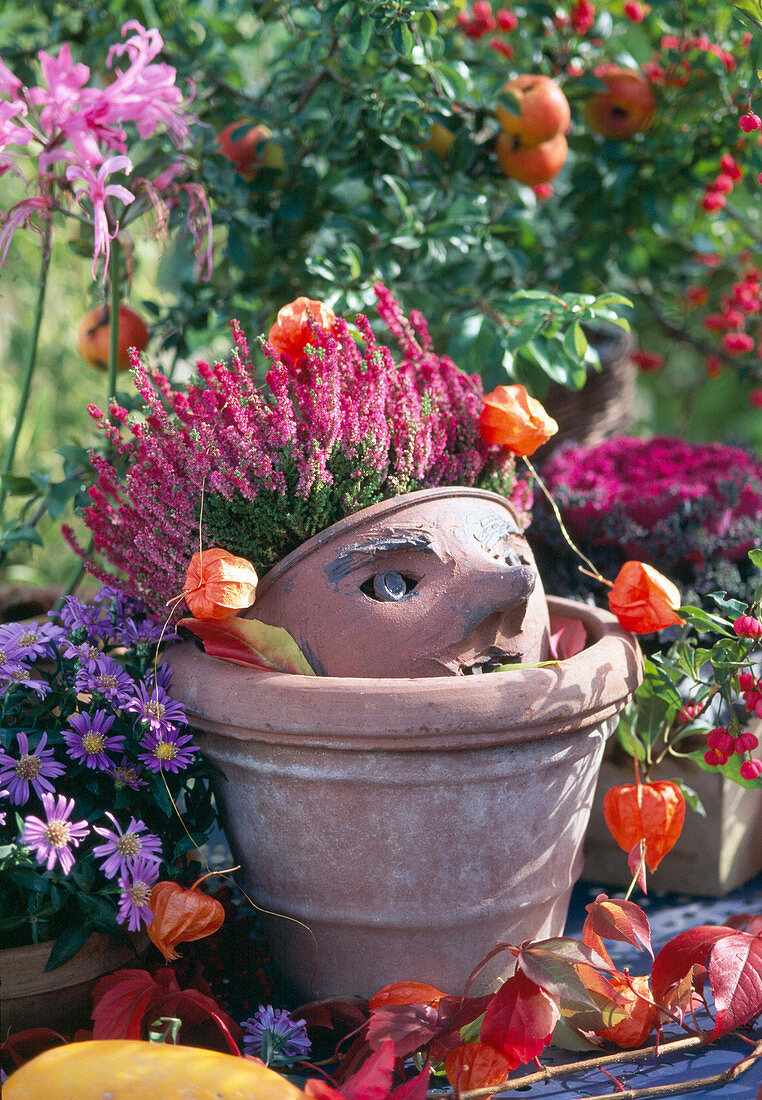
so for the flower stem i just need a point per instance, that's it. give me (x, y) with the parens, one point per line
(113, 350)
(567, 537)
(31, 360)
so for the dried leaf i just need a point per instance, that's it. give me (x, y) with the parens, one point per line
(251, 643)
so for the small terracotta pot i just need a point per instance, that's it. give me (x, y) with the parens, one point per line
(411, 824)
(60, 998)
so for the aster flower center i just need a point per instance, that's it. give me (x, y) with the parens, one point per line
(139, 893)
(93, 743)
(28, 638)
(93, 652)
(155, 709)
(57, 833)
(28, 766)
(3, 657)
(128, 845)
(165, 750)
(20, 674)
(107, 682)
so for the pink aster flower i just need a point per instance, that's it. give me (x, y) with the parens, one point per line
(33, 769)
(97, 192)
(136, 889)
(50, 840)
(124, 847)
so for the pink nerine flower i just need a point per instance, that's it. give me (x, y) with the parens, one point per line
(19, 215)
(98, 191)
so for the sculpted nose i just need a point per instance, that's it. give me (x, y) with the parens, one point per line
(500, 587)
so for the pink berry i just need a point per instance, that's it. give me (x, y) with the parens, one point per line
(505, 48)
(689, 712)
(731, 167)
(749, 122)
(746, 742)
(755, 399)
(737, 342)
(721, 741)
(543, 191)
(746, 626)
(723, 183)
(751, 769)
(482, 10)
(746, 681)
(714, 758)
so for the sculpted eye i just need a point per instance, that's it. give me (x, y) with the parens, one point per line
(388, 587)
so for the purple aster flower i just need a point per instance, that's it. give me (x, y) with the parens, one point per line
(136, 889)
(123, 848)
(271, 1034)
(50, 839)
(85, 653)
(167, 751)
(77, 617)
(34, 768)
(3, 794)
(10, 652)
(145, 632)
(17, 673)
(120, 603)
(126, 774)
(156, 708)
(108, 679)
(160, 675)
(30, 640)
(88, 743)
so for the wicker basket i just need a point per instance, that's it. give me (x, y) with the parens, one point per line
(604, 406)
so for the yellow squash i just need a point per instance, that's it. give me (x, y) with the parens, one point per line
(127, 1069)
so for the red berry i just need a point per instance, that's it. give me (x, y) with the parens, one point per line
(723, 183)
(634, 11)
(746, 681)
(751, 769)
(583, 16)
(714, 758)
(713, 366)
(482, 10)
(755, 399)
(746, 626)
(737, 342)
(689, 712)
(506, 20)
(731, 166)
(505, 48)
(749, 122)
(712, 201)
(721, 741)
(746, 742)
(649, 362)
(732, 318)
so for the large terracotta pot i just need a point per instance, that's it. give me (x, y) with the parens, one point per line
(60, 998)
(410, 823)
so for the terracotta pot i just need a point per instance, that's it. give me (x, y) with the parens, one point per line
(424, 584)
(411, 824)
(59, 998)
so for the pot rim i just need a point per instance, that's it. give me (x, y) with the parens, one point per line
(381, 509)
(415, 714)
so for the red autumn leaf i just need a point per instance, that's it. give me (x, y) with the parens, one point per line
(455, 1013)
(685, 998)
(747, 922)
(735, 975)
(406, 1027)
(520, 1020)
(643, 599)
(617, 919)
(681, 953)
(22, 1046)
(550, 964)
(120, 1002)
(496, 950)
(568, 637)
(406, 993)
(476, 1066)
(372, 1081)
(640, 1017)
(604, 996)
(415, 1089)
(349, 1014)
(250, 643)
(653, 812)
(126, 1002)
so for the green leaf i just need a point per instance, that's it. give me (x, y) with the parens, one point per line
(691, 797)
(427, 23)
(750, 8)
(703, 620)
(68, 944)
(756, 558)
(403, 40)
(16, 485)
(575, 341)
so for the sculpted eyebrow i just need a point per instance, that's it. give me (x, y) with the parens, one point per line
(365, 552)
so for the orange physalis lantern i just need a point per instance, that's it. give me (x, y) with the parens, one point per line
(643, 599)
(642, 1015)
(217, 584)
(511, 418)
(651, 812)
(293, 328)
(181, 915)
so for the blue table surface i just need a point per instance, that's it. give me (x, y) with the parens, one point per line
(668, 914)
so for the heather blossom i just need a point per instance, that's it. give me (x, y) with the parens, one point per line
(51, 840)
(123, 847)
(348, 427)
(33, 769)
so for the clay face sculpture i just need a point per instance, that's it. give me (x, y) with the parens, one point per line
(435, 583)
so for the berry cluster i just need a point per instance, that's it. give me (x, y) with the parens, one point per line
(715, 193)
(722, 744)
(582, 16)
(481, 21)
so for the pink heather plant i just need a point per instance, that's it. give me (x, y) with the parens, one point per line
(266, 468)
(69, 129)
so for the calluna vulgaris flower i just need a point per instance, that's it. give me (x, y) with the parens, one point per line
(276, 465)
